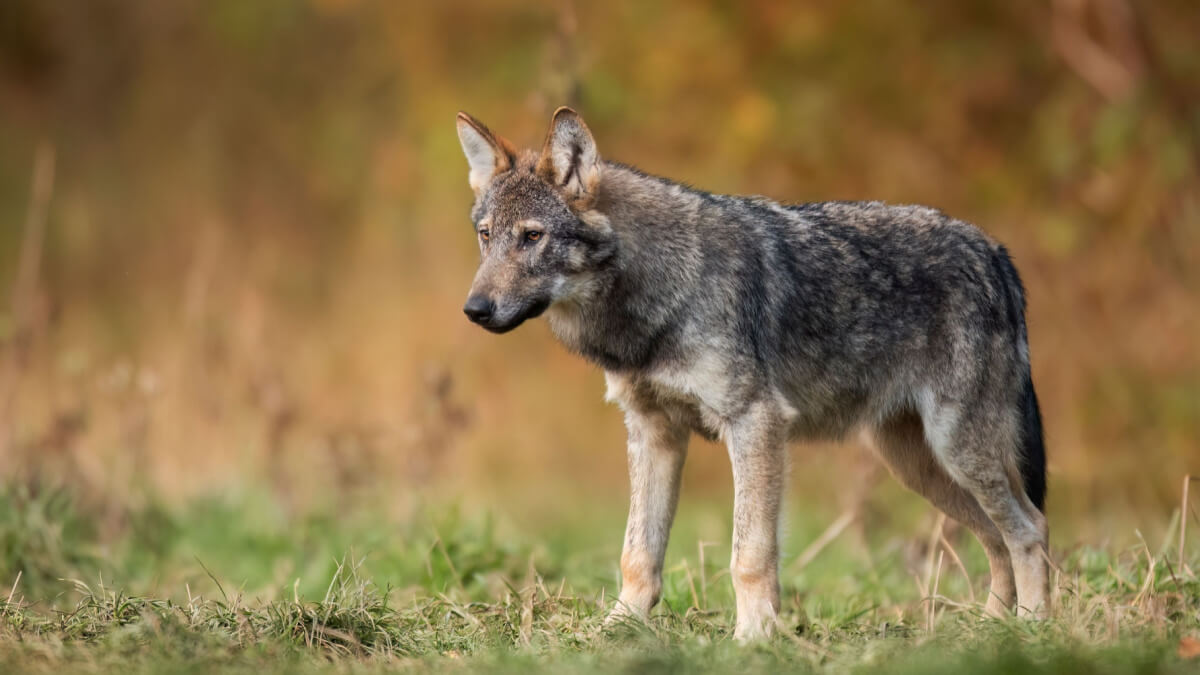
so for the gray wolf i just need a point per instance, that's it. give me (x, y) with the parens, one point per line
(759, 323)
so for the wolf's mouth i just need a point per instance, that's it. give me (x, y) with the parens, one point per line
(531, 311)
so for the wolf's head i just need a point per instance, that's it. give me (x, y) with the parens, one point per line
(540, 242)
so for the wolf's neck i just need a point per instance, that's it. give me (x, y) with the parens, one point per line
(656, 270)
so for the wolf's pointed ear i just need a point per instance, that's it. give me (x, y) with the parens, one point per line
(569, 159)
(487, 153)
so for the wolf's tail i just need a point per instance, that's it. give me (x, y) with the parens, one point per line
(1033, 455)
(1033, 446)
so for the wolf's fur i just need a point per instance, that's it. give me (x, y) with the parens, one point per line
(758, 323)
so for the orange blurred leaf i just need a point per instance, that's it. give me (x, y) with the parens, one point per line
(1189, 647)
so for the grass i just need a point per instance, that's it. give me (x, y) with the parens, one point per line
(237, 584)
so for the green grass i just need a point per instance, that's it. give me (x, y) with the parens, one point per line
(240, 585)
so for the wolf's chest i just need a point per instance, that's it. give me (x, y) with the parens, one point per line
(704, 385)
(699, 392)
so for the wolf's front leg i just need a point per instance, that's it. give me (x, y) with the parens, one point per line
(758, 454)
(657, 448)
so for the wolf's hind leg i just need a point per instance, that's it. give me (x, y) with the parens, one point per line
(981, 452)
(900, 444)
(657, 449)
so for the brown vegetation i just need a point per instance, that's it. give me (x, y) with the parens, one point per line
(236, 243)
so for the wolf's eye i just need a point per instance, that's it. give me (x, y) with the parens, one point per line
(484, 235)
(533, 235)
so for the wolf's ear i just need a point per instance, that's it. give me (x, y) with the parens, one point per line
(569, 159)
(487, 153)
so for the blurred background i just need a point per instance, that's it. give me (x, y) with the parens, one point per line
(234, 241)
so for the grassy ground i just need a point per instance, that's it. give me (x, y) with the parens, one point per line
(238, 584)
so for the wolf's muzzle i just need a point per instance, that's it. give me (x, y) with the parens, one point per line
(482, 310)
(479, 309)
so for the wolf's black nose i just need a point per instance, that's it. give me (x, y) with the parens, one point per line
(479, 308)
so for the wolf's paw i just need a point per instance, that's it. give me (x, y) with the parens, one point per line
(755, 626)
(622, 615)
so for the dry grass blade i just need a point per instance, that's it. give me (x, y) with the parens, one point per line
(1151, 574)
(526, 630)
(937, 576)
(691, 584)
(704, 572)
(835, 528)
(1183, 519)
(959, 564)
(935, 534)
(8, 604)
(214, 579)
(939, 525)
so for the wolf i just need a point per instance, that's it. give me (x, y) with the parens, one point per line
(759, 323)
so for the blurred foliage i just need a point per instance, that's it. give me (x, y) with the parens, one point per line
(256, 240)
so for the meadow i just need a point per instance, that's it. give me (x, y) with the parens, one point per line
(235, 583)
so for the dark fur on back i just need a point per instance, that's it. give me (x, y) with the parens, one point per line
(825, 301)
